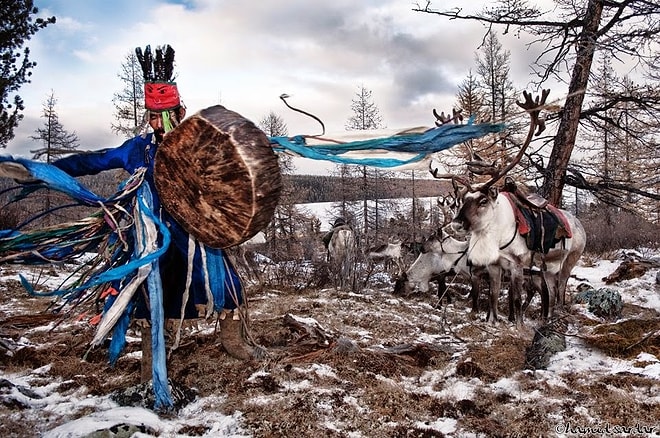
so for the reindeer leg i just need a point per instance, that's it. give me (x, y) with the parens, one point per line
(495, 274)
(474, 293)
(515, 296)
(545, 298)
(554, 292)
(475, 290)
(511, 299)
(443, 292)
(400, 266)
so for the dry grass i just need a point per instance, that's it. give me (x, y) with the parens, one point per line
(627, 338)
(389, 371)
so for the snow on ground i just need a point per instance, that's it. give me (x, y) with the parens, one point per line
(450, 401)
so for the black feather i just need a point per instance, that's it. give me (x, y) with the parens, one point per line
(158, 64)
(169, 63)
(160, 68)
(145, 60)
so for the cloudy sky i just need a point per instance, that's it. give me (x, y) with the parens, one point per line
(245, 54)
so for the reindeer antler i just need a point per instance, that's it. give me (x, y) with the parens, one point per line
(448, 205)
(478, 166)
(533, 107)
(442, 119)
(454, 178)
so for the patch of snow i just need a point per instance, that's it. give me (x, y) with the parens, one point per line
(323, 370)
(578, 358)
(446, 426)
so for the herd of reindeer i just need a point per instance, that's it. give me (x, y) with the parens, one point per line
(489, 233)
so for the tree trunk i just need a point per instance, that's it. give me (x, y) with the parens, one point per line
(555, 176)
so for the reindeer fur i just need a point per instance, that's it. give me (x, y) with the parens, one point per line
(391, 254)
(495, 244)
(341, 255)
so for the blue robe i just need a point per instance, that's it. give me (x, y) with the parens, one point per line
(224, 282)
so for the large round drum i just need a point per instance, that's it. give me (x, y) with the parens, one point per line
(218, 176)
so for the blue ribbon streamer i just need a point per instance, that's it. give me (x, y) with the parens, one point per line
(433, 140)
(163, 398)
(56, 179)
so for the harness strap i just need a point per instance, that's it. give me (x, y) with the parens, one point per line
(462, 253)
(515, 233)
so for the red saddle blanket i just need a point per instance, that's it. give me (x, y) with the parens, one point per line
(542, 228)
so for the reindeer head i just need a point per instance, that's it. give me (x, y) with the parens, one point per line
(478, 203)
(477, 210)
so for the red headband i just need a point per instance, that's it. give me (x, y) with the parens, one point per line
(161, 96)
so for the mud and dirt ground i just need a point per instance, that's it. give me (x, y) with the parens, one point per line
(368, 364)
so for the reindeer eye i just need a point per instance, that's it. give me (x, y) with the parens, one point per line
(483, 202)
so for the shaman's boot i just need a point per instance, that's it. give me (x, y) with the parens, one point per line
(232, 336)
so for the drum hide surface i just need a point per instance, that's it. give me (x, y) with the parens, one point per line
(218, 176)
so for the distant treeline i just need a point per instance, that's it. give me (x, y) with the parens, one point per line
(298, 189)
(321, 188)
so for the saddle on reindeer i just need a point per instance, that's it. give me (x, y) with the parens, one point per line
(542, 224)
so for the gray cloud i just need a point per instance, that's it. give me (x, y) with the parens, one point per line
(245, 55)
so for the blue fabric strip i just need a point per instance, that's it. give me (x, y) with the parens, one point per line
(57, 179)
(433, 140)
(163, 398)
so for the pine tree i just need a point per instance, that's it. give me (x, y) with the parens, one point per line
(497, 91)
(619, 148)
(471, 103)
(16, 67)
(366, 115)
(129, 102)
(365, 112)
(470, 99)
(56, 140)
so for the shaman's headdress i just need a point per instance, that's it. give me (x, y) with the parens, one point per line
(160, 91)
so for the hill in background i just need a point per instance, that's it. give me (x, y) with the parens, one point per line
(320, 188)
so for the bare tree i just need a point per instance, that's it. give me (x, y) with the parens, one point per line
(366, 115)
(289, 223)
(129, 101)
(273, 126)
(570, 35)
(345, 206)
(56, 140)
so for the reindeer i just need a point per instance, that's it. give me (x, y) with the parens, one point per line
(440, 256)
(341, 255)
(391, 254)
(495, 241)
